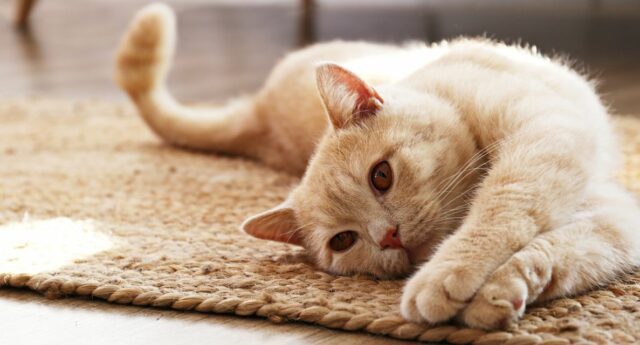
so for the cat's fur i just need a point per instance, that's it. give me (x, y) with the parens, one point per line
(503, 164)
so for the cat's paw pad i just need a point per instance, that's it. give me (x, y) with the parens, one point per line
(436, 294)
(496, 305)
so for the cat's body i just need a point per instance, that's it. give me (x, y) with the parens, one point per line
(490, 166)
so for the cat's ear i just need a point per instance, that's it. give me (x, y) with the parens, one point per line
(278, 224)
(346, 97)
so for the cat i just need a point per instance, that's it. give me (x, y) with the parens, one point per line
(484, 170)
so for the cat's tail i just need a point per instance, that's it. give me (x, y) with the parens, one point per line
(142, 64)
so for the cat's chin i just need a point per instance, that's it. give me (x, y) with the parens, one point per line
(423, 248)
(420, 253)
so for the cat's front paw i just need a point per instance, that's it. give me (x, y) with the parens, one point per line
(499, 302)
(437, 292)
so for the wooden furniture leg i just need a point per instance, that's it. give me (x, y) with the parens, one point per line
(22, 12)
(306, 24)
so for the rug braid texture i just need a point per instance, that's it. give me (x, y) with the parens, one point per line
(92, 204)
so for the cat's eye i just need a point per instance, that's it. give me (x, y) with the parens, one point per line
(381, 176)
(343, 241)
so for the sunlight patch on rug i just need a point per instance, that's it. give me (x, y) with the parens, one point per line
(36, 246)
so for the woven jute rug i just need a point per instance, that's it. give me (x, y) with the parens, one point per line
(92, 204)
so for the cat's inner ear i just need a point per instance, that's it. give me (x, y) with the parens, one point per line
(346, 97)
(278, 224)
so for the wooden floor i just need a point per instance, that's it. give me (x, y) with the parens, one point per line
(226, 48)
(28, 318)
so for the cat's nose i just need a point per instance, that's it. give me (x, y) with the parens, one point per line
(391, 239)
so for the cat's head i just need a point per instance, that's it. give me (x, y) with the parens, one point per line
(385, 185)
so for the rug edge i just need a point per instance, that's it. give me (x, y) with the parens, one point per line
(394, 327)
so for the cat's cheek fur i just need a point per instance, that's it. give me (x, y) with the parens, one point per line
(364, 258)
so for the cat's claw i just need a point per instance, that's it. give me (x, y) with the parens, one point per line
(499, 302)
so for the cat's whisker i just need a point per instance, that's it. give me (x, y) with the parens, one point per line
(439, 218)
(461, 178)
(293, 231)
(450, 184)
(452, 211)
(481, 154)
(480, 168)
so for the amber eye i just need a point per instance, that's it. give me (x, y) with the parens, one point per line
(343, 241)
(382, 176)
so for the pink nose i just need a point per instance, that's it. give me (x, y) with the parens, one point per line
(391, 239)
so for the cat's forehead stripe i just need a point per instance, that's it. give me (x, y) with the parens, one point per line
(339, 199)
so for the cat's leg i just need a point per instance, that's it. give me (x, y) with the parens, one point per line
(143, 61)
(600, 243)
(538, 177)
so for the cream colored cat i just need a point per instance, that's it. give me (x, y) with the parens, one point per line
(488, 167)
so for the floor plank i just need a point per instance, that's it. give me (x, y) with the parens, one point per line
(28, 318)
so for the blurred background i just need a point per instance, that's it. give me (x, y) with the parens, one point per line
(227, 47)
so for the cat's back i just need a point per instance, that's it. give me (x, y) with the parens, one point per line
(520, 68)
